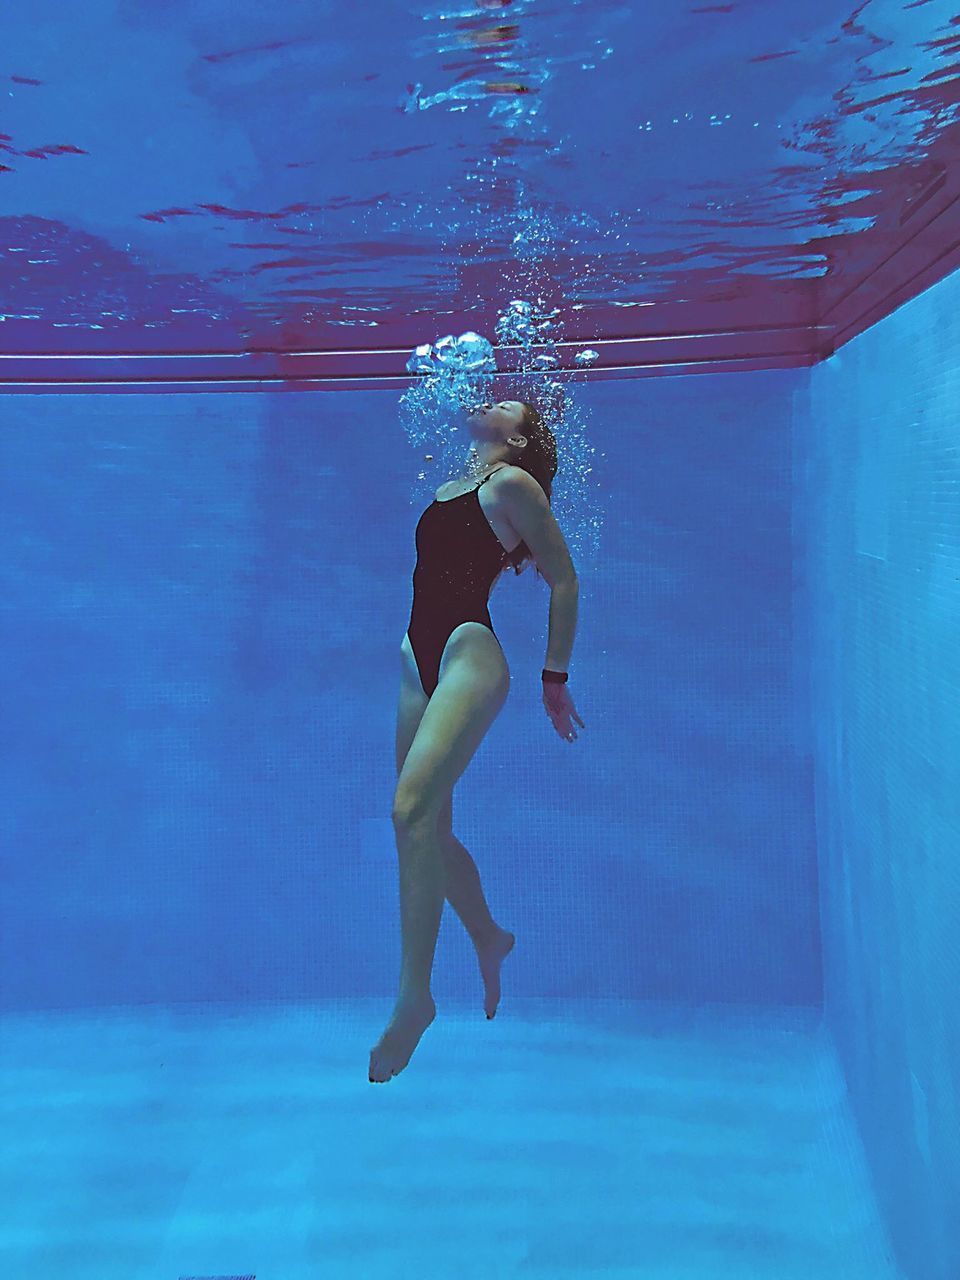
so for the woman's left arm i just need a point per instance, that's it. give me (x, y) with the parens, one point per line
(564, 606)
(564, 603)
(530, 515)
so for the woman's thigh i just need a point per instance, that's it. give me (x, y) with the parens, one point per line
(410, 708)
(473, 686)
(412, 703)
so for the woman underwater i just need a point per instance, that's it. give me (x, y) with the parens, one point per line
(454, 682)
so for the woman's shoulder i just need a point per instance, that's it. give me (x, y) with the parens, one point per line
(517, 479)
(495, 479)
(508, 469)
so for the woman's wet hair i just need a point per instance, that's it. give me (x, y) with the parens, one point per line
(539, 458)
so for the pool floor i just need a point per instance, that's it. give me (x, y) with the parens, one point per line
(563, 1139)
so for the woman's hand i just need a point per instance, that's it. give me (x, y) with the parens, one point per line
(560, 708)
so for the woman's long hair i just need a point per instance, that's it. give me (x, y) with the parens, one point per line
(539, 458)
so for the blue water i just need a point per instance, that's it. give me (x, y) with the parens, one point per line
(352, 175)
(728, 1037)
(703, 1064)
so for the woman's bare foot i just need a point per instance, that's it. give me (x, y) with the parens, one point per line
(491, 955)
(395, 1047)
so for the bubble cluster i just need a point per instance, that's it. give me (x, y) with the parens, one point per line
(470, 353)
(455, 374)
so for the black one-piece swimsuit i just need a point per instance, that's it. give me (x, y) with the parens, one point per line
(458, 558)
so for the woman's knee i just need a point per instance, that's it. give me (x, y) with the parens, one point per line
(411, 807)
(445, 818)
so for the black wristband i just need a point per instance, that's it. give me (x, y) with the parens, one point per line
(554, 677)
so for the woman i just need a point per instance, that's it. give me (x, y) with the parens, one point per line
(454, 683)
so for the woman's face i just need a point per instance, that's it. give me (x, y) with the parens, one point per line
(496, 420)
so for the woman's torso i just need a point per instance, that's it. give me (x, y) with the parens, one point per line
(491, 504)
(452, 517)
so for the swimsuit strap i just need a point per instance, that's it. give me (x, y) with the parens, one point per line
(492, 473)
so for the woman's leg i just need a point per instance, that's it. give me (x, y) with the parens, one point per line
(462, 885)
(464, 891)
(473, 686)
(465, 894)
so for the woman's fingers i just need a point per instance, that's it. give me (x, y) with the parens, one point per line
(560, 708)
